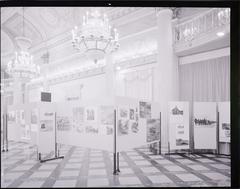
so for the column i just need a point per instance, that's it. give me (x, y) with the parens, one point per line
(166, 71)
(17, 92)
(110, 77)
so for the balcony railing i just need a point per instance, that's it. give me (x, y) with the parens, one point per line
(204, 23)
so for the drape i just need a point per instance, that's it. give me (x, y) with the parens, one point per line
(207, 81)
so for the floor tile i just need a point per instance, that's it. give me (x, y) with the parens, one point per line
(41, 174)
(97, 172)
(188, 177)
(160, 179)
(185, 161)
(65, 183)
(73, 166)
(220, 166)
(31, 184)
(150, 170)
(66, 173)
(173, 168)
(205, 160)
(216, 176)
(97, 182)
(144, 162)
(129, 180)
(198, 167)
(126, 171)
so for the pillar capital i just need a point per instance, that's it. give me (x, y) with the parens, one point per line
(174, 11)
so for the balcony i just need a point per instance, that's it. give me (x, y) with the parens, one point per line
(207, 31)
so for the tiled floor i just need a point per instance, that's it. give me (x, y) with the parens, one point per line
(93, 168)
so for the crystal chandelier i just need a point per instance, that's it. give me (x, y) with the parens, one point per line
(95, 37)
(22, 65)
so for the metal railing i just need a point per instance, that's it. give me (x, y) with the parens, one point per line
(201, 24)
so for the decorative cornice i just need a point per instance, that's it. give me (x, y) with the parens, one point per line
(149, 59)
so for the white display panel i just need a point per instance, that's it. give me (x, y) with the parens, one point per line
(205, 125)
(14, 122)
(86, 123)
(46, 128)
(224, 121)
(178, 125)
(132, 130)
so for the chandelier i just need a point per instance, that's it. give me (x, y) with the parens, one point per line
(95, 37)
(22, 65)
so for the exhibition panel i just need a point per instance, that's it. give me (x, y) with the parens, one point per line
(46, 128)
(86, 123)
(205, 125)
(224, 122)
(179, 125)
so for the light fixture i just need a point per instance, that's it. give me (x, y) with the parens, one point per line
(220, 34)
(118, 68)
(22, 66)
(95, 37)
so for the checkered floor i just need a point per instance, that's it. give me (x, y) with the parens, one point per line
(83, 167)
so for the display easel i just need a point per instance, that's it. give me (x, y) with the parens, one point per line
(56, 150)
(5, 133)
(116, 169)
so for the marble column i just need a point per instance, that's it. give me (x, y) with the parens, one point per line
(110, 77)
(166, 71)
(18, 92)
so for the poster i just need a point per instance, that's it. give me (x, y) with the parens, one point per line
(224, 122)
(123, 122)
(34, 116)
(123, 113)
(11, 117)
(179, 125)
(78, 119)
(46, 128)
(91, 129)
(153, 130)
(22, 116)
(145, 110)
(46, 125)
(123, 127)
(91, 114)
(205, 125)
(63, 123)
(134, 120)
(107, 115)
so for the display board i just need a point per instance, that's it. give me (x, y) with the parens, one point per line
(224, 122)
(46, 128)
(138, 123)
(86, 123)
(178, 125)
(205, 125)
(14, 122)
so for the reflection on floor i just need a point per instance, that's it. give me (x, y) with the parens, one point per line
(93, 168)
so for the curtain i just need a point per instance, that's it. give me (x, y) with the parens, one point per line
(205, 81)
(138, 84)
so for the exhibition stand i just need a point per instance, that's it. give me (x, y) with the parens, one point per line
(56, 151)
(47, 131)
(223, 118)
(116, 125)
(178, 127)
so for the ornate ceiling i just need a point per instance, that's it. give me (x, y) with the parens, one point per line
(49, 28)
